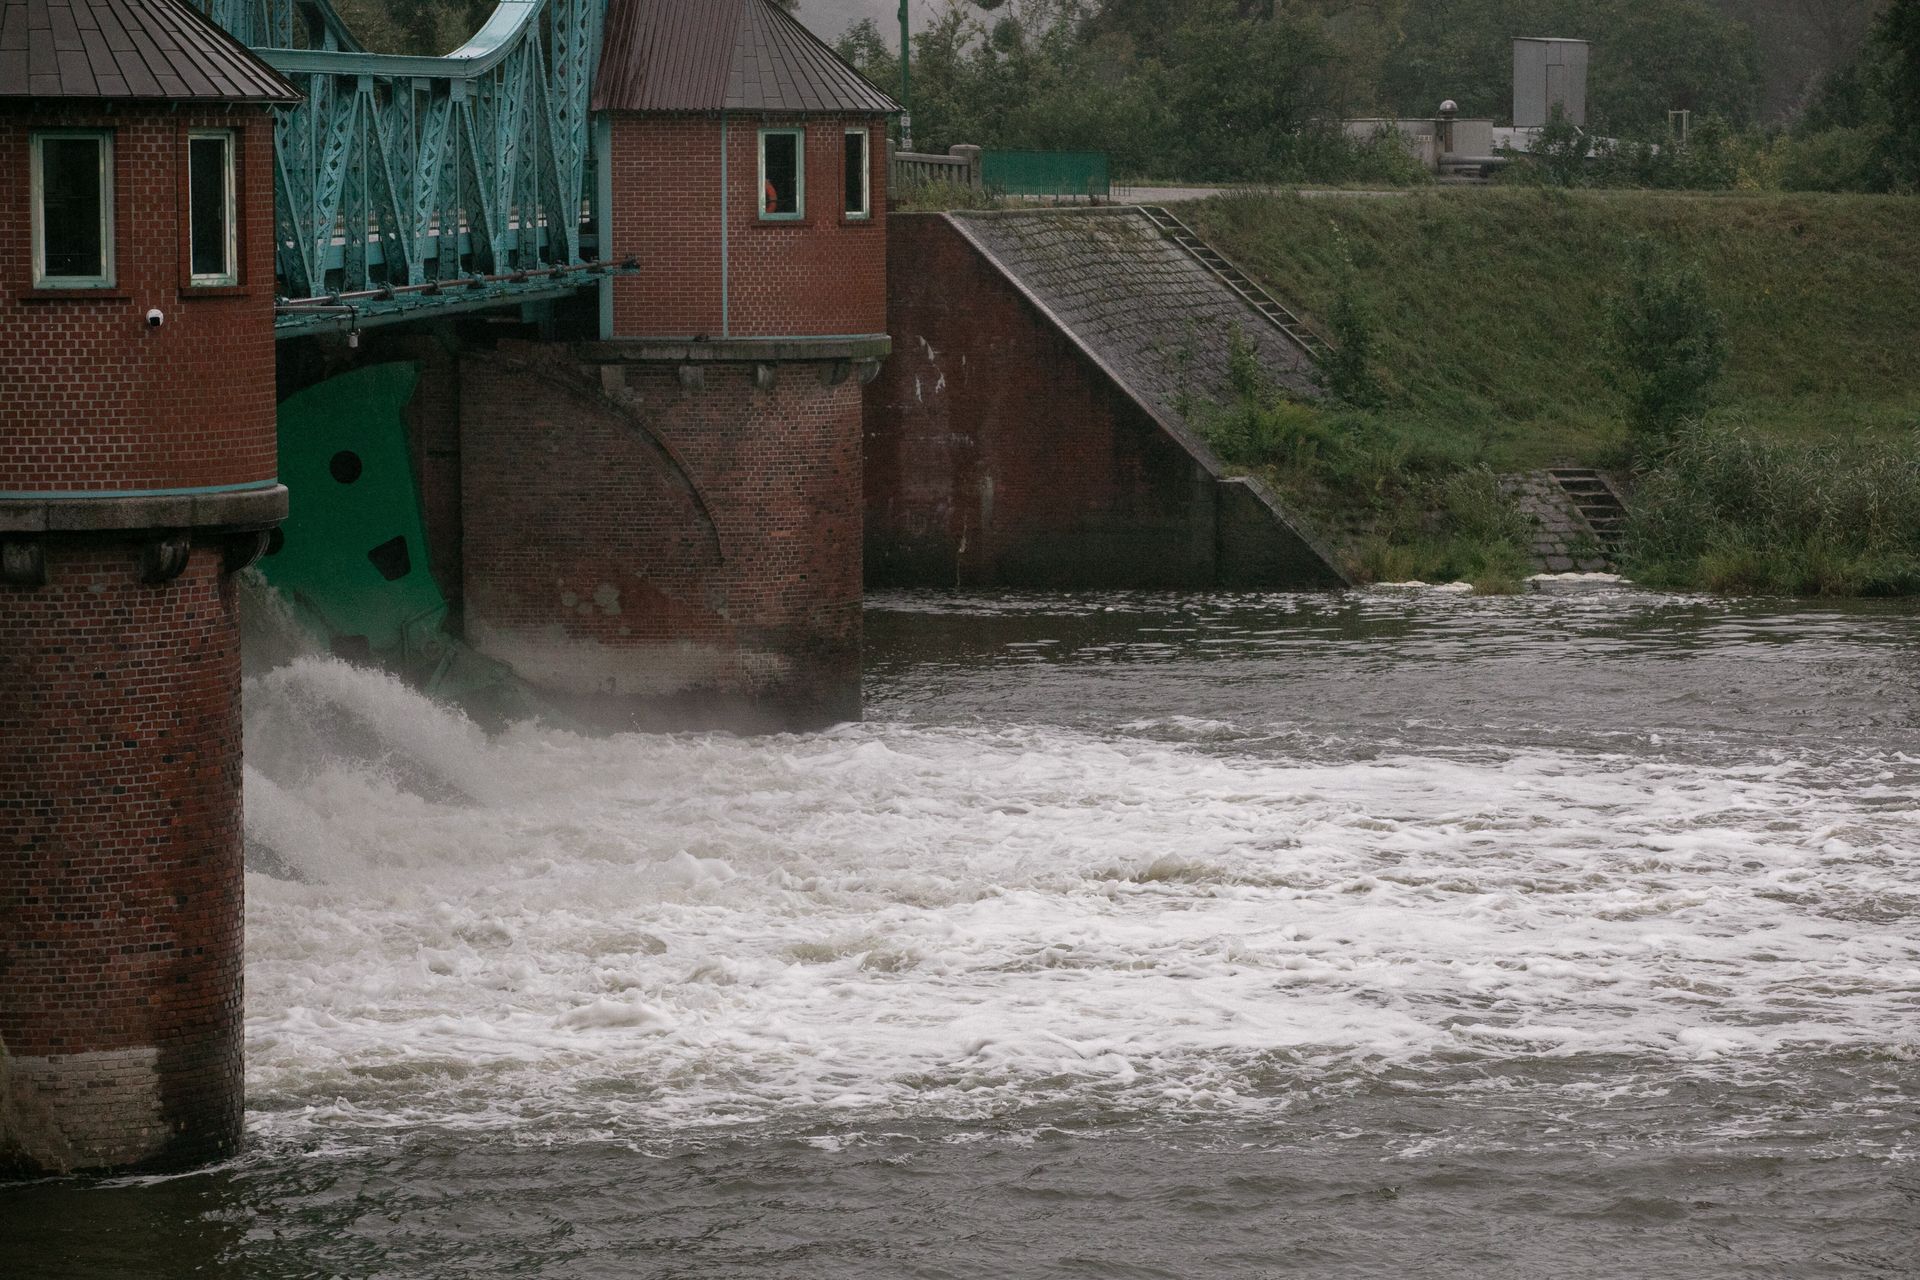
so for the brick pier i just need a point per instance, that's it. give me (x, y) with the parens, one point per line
(137, 473)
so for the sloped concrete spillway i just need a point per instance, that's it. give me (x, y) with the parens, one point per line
(1032, 428)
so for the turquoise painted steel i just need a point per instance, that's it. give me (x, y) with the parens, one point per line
(1046, 173)
(406, 171)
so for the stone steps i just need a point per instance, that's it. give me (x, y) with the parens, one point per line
(1578, 518)
(1597, 503)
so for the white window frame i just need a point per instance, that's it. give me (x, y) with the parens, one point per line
(230, 175)
(42, 280)
(866, 174)
(799, 135)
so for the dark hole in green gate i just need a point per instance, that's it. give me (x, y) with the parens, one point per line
(392, 559)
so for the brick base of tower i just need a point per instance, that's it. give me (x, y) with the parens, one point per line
(120, 861)
(667, 539)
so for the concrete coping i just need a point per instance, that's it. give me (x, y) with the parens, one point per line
(1128, 209)
(103, 513)
(791, 350)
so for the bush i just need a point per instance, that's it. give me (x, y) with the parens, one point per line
(1835, 160)
(940, 197)
(1383, 159)
(1346, 366)
(1730, 512)
(1561, 151)
(1668, 346)
(1414, 510)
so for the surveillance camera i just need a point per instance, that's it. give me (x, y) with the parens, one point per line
(155, 319)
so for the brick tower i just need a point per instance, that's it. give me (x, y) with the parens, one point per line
(137, 473)
(666, 524)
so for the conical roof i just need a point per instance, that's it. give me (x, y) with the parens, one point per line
(724, 55)
(146, 50)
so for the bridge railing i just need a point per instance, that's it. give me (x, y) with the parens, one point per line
(960, 167)
(406, 171)
(1021, 174)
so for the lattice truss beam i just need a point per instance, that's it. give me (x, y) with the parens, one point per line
(404, 170)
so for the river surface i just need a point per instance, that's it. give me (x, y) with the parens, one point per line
(1390, 934)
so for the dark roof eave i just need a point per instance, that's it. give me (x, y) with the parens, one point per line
(785, 113)
(128, 100)
(144, 51)
(699, 56)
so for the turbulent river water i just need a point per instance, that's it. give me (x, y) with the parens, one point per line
(1393, 933)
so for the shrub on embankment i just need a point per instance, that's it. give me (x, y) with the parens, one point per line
(1491, 313)
(1399, 507)
(1729, 511)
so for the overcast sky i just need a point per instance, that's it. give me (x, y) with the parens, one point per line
(828, 18)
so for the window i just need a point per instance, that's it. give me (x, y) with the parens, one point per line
(72, 177)
(212, 244)
(783, 173)
(857, 176)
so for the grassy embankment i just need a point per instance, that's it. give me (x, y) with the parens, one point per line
(1488, 321)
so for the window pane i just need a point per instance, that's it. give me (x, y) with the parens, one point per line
(70, 180)
(783, 172)
(856, 171)
(207, 204)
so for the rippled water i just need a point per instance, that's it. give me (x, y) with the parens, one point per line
(1394, 933)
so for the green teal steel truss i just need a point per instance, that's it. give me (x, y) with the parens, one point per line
(411, 173)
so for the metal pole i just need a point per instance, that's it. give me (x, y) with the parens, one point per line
(906, 84)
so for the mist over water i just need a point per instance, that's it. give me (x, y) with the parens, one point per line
(1131, 935)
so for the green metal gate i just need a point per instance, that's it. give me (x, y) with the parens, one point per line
(1047, 173)
(352, 555)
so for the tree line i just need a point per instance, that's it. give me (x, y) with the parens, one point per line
(1252, 90)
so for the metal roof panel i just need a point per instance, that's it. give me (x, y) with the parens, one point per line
(723, 55)
(128, 49)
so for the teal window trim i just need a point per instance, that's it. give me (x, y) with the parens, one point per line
(799, 136)
(229, 210)
(41, 279)
(865, 211)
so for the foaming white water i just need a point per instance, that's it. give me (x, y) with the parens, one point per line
(645, 933)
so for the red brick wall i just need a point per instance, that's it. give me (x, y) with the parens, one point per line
(90, 397)
(997, 454)
(120, 833)
(665, 554)
(820, 276)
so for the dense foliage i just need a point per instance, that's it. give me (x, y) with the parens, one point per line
(1730, 510)
(1648, 59)
(1250, 90)
(1211, 90)
(1859, 131)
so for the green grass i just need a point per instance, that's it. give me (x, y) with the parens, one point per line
(1491, 306)
(1398, 508)
(1488, 334)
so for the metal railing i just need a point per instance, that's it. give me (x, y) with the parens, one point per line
(1079, 174)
